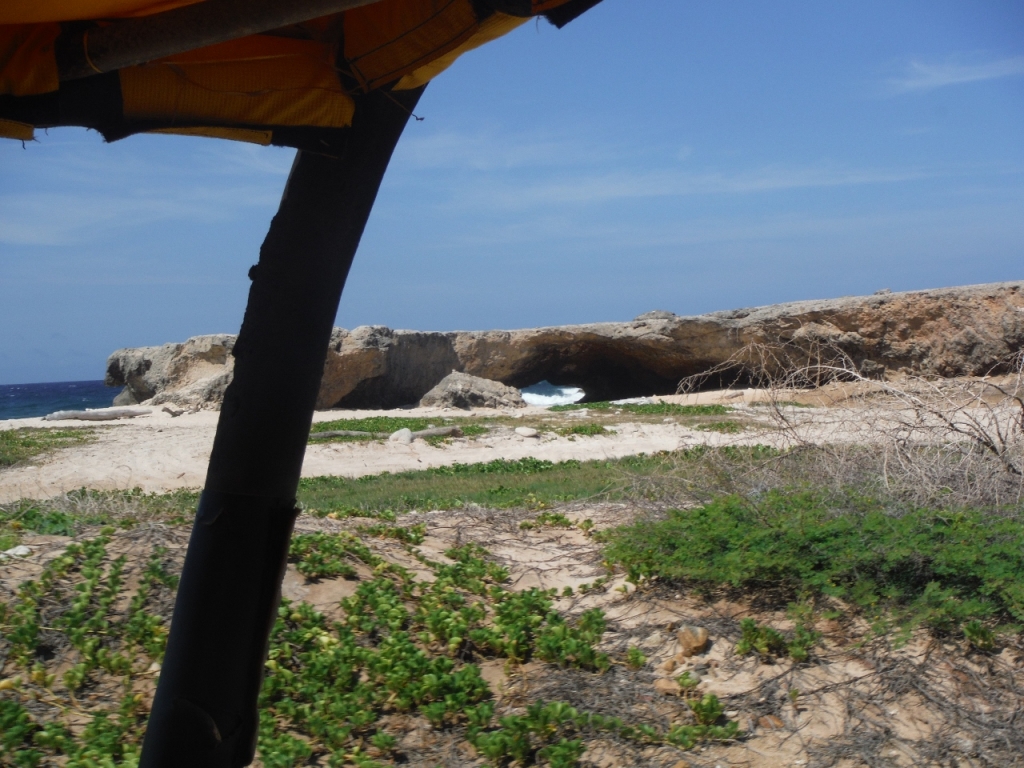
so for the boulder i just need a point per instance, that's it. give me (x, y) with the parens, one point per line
(403, 436)
(461, 390)
(692, 640)
(667, 687)
(971, 330)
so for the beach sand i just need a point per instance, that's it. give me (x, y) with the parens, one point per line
(158, 452)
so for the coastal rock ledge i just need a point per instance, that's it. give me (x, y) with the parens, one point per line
(972, 330)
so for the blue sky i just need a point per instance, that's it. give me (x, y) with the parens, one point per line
(655, 154)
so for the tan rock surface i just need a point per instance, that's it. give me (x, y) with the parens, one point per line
(969, 330)
(692, 640)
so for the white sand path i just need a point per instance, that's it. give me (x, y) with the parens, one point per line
(161, 453)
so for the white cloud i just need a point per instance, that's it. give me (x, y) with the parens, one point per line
(625, 185)
(490, 151)
(921, 76)
(52, 218)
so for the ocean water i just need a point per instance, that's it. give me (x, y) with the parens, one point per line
(22, 401)
(544, 393)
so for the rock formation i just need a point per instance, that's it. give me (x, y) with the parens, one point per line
(195, 372)
(971, 330)
(460, 390)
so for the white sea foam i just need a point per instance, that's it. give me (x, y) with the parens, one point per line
(544, 393)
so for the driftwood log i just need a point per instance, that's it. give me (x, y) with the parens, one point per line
(100, 414)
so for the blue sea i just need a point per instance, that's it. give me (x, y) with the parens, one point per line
(22, 401)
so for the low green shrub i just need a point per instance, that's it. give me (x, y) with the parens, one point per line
(768, 643)
(329, 555)
(549, 519)
(937, 567)
(635, 658)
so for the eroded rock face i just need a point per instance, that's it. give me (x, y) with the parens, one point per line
(948, 332)
(195, 372)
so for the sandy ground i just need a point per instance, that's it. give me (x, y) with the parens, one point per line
(862, 700)
(159, 452)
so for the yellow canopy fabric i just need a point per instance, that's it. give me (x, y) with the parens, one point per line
(301, 77)
(255, 80)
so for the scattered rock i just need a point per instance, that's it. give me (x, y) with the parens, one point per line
(692, 640)
(527, 432)
(19, 551)
(667, 687)
(461, 390)
(653, 641)
(770, 722)
(403, 436)
(668, 666)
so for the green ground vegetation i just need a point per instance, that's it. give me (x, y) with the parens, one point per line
(587, 430)
(21, 444)
(385, 425)
(939, 567)
(405, 646)
(103, 640)
(75, 512)
(498, 484)
(771, 527)
(563, 420)
(725, 427)
(659, 409)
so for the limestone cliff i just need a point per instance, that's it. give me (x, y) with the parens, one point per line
(947, 332)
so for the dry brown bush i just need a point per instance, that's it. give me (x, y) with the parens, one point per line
(911, 439)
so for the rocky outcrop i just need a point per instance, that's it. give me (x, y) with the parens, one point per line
(195, 372)
(948, 332)
(460, 390)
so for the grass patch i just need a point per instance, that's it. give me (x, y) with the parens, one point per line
(378, 424)
(583, 429)
(72, 513)
(669, 409)
(21, 444)
(725, 427)
(941, 568)
(386, 425)
(499, 484)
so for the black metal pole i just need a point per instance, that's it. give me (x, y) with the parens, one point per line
(204, 714)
